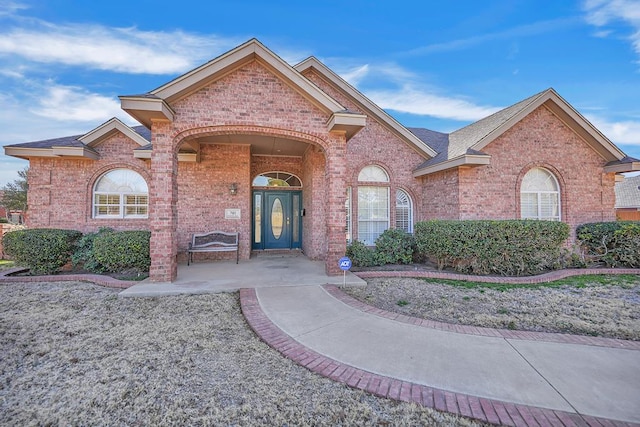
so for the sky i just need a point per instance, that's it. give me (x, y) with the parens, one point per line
(434, 64)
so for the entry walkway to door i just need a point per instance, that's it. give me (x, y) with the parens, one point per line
(259, 271)
(502, 377)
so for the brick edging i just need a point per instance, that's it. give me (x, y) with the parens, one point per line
(521, 280)
(97, 279)
(337, 293)
(486, 410)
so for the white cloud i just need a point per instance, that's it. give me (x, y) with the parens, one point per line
(125, 50)
(624, 132)
(71, 103)
(526, 30)
(355, 75)
(416, 101)
(9, 8)
(604, 12)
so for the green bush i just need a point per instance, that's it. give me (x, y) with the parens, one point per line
(617, 244)
(360, 254)
(84, 255)
(42, 250)
(4, 220)
(509, 247)
(122, 250)
(394, 246)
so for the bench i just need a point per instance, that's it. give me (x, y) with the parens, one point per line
(214, 241)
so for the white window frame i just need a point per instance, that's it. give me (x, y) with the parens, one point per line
(539, 194)
(407, 205)
(348, 211)
(121, 202)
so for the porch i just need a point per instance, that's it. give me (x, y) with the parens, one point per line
(260, 271)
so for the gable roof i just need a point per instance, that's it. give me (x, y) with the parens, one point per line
(464, 146)
(628, 193)
(367, 105)
(79, 146)
(156, 105)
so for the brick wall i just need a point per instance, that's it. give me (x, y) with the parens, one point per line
(540, 139)
(60, 190)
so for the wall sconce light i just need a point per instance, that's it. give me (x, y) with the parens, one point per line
(233, 189)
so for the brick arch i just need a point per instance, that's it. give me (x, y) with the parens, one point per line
(195, 133)
(106, 168)
(561, 182)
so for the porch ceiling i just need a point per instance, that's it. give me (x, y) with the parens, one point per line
(261, 145)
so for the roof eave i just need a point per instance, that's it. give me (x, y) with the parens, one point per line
(348, 123)
(367, 105)
(467, 160)
(55, 151)
(107, 129)
(226, 63)
(147, 110)
(623, 167)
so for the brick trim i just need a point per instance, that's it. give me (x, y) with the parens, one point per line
(486, 410)
(481, 331)
(97, 279)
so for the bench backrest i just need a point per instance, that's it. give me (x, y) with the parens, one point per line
(215, 238)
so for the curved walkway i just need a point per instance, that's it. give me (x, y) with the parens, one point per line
(497, 376)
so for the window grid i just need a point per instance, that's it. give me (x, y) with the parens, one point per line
(121, 193)
(404, 212)
(540, 196)
(373, 213)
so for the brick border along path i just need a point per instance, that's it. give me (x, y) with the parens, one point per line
(486, 410)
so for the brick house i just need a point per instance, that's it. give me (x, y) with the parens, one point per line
(292, 156)
(628, 198)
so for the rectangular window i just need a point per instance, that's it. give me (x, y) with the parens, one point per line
(373, 213)
(121, 206)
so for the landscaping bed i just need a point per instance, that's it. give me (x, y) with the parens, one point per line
(75, 354)
(604, 306)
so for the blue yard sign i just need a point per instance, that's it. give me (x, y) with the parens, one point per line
(344, 263)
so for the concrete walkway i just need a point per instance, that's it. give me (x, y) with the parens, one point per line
(257, 272)
(497, 376)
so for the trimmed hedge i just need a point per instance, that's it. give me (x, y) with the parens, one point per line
(122, 250)
(506, 247)
(617, 244)
(42, 250)
(360, 254)
(394, 246)
(84, 255)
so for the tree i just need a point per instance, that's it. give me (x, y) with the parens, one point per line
(15, 193)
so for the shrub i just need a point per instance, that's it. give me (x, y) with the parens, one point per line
(509, 247)
(42, 250)
(122, 250)
(617, 244)
(84, 255)
(394, 246)
(360, 254)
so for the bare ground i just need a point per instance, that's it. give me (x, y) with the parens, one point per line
(581, 306)
(76, 354)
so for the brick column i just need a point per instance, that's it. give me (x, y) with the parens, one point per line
(162, 206)
(336, 168)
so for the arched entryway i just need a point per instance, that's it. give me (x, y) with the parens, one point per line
(276, 211)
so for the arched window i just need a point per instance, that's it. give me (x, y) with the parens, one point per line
(121, 193)
(404, 211)
(277, 179)
(373, 204)
(540, 195)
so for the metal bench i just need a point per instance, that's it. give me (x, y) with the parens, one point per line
(214, 241)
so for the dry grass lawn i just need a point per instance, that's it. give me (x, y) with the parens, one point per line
(605, 306)
(76, 354)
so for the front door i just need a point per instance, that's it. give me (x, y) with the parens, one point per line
(277, 219)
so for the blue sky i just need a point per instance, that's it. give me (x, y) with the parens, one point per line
(433, 64)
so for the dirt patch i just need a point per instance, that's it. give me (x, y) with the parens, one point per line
(76, 354)
(584, 308)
